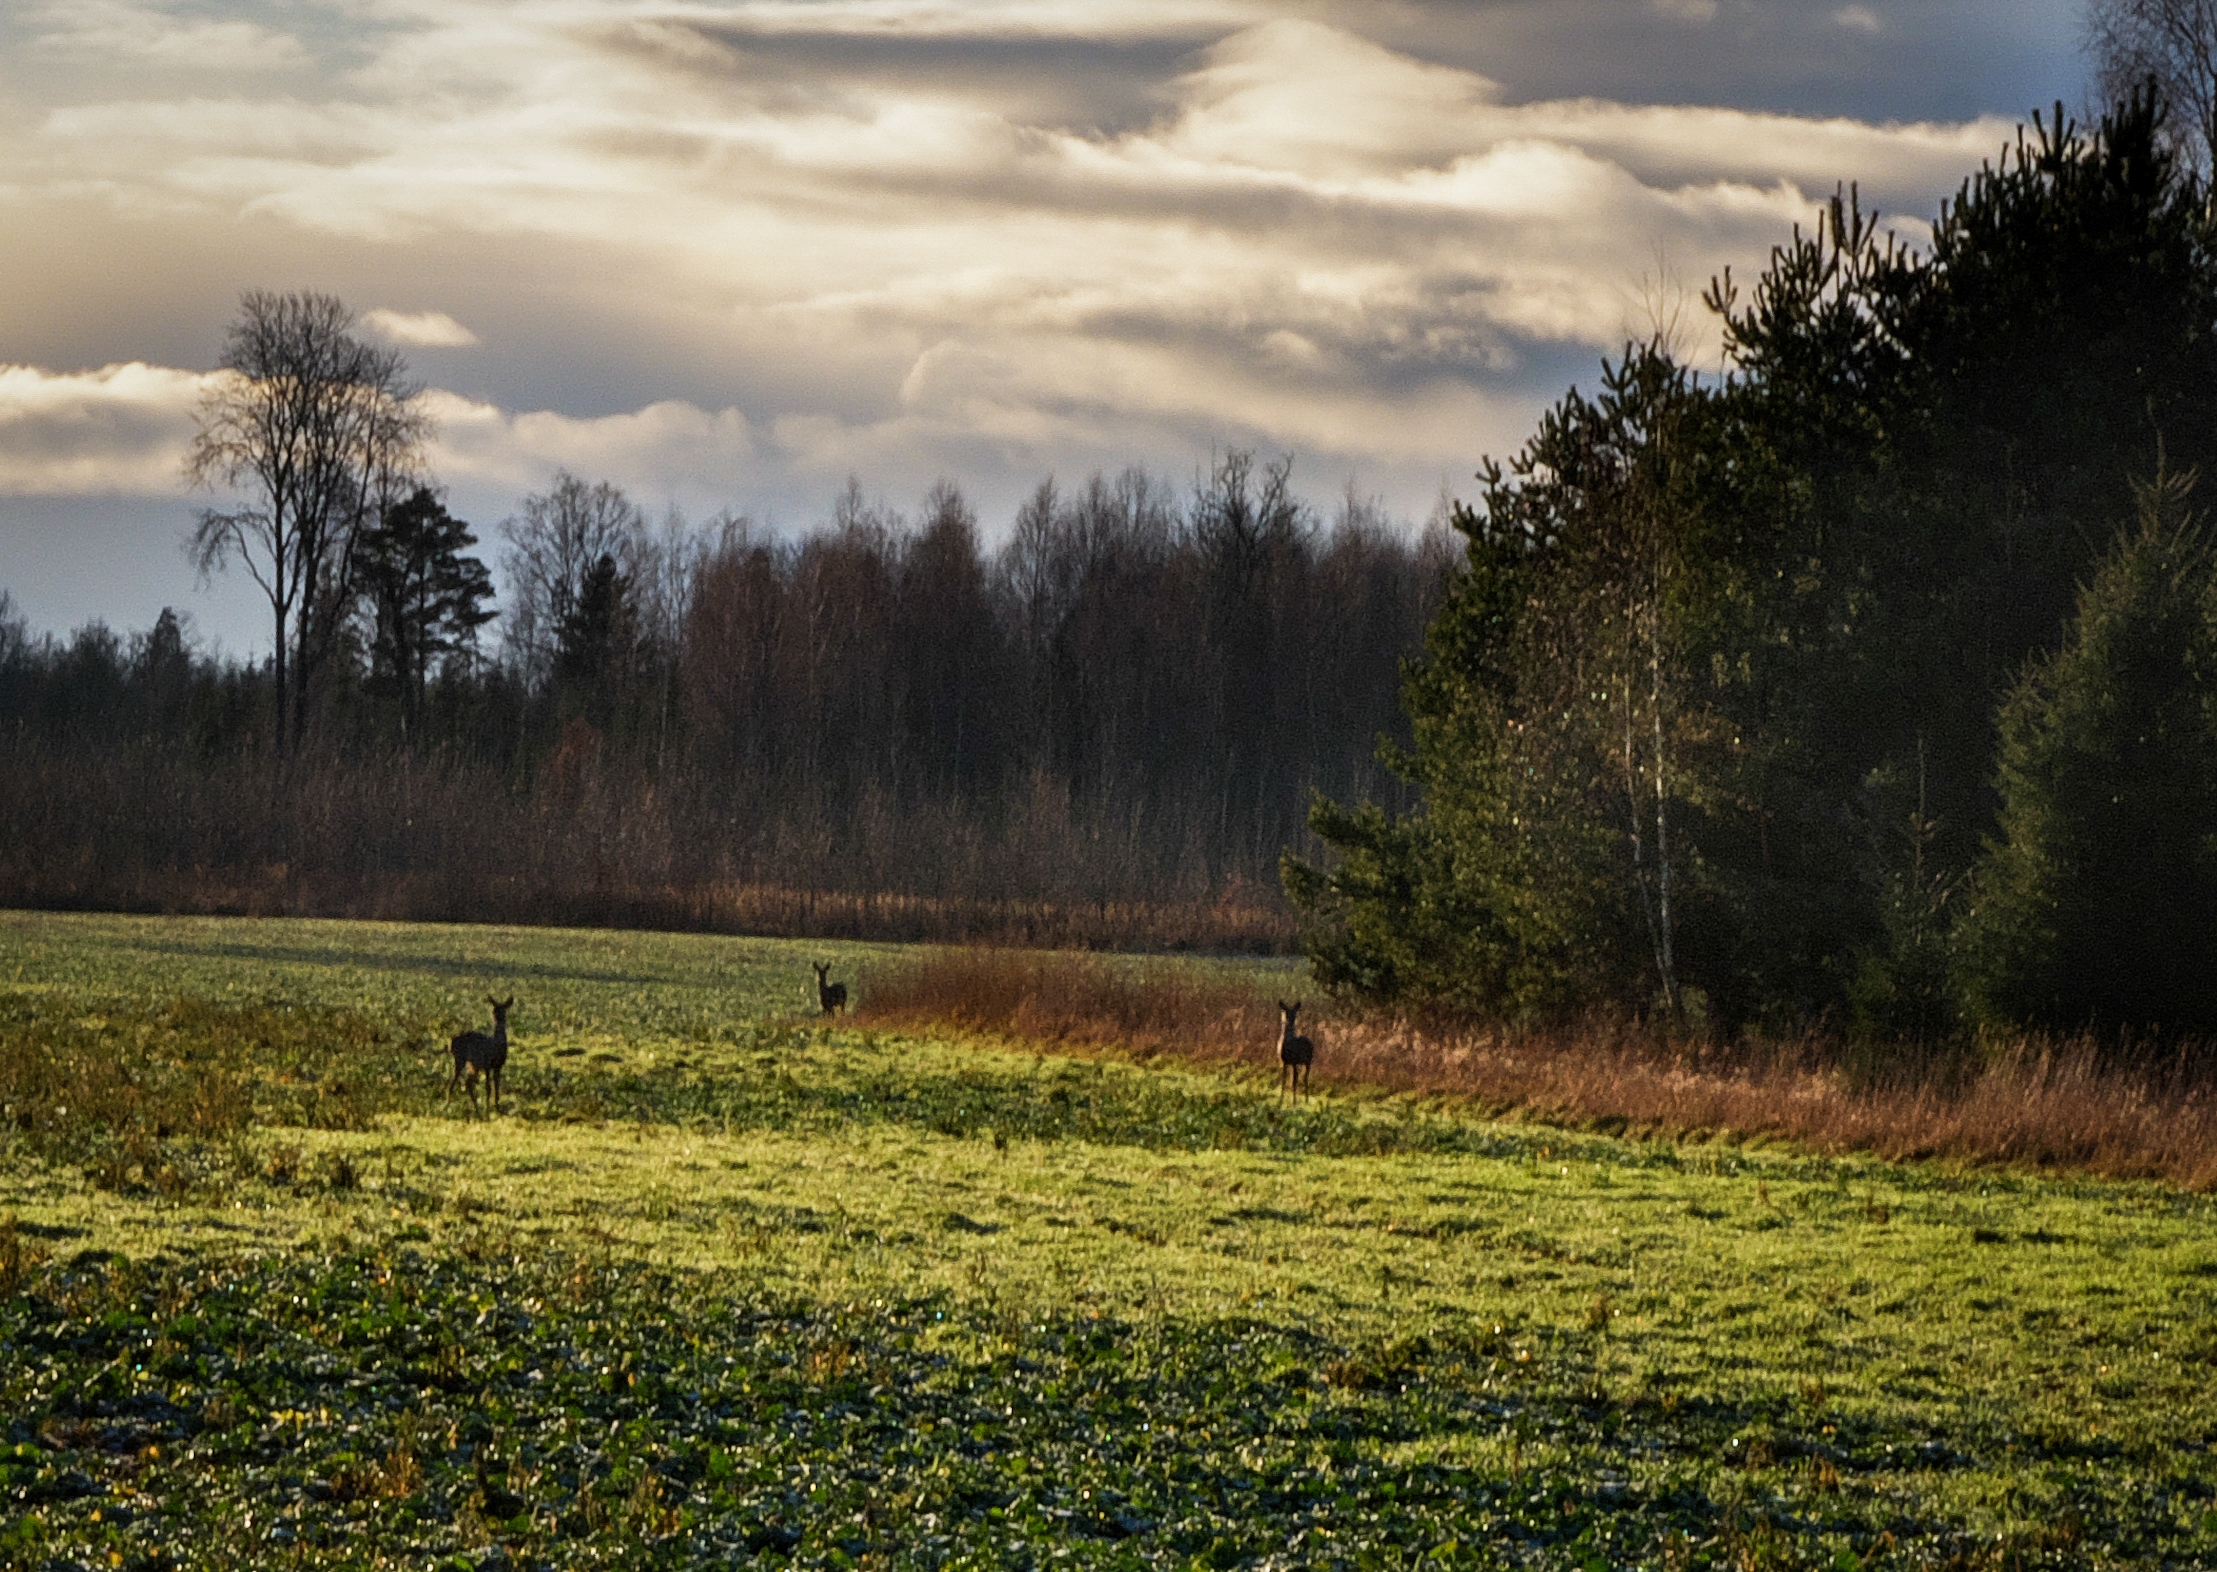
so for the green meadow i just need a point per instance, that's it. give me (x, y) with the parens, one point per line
(727, 1282)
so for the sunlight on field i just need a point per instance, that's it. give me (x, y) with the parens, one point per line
(1841, 1273)
(571, 980)
(669, 1104)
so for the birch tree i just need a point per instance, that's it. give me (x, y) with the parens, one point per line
(2172, 43)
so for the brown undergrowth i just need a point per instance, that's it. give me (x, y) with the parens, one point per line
(592, 844)
(2034, 1103)
(1233, 924)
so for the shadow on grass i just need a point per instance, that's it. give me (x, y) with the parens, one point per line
(253, 1409)
(427, 965)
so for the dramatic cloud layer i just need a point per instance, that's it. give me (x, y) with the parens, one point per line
(728, 253)
(118, 429)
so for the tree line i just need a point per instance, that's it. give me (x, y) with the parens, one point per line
(1128, 703)
(1870, 686)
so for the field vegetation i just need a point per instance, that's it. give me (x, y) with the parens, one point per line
(1756, 867)
(2072, 1104)
(727, 1279)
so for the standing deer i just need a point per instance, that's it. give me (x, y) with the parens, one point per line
(830, 996)
(476, 1054)
(1296, 1054)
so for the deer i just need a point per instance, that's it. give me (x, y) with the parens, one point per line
(476, 1054)
(1296, 1054)
(830, 996)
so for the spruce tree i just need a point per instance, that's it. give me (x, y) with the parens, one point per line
(597, 644)
(2095, 908)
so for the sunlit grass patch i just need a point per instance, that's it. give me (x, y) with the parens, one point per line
(2060, 1105)
(728, 1282)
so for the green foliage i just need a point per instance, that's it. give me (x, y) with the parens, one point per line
(345, 1408)
(597, 640)
(1709, 714)
(1552, 727)
(1904, 990)
(2097, 904)
(153, 1099)
(426, 600)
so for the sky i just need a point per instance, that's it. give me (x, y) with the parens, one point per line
(729, 253)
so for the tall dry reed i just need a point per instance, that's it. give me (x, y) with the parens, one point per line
(2056, 1106)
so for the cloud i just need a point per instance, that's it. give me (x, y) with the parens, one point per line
(114, 32)
(120, 430)
(422, 329)
(1858, 19)
(732, 250)
(908, 20)
(123, 430)
(667, 449)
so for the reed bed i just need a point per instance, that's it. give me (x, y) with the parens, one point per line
(2051, 1105)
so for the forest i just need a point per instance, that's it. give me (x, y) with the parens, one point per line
(1867, 687)
(1105, 731)
(1864, 688)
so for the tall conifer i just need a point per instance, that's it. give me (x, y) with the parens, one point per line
(2096, 906)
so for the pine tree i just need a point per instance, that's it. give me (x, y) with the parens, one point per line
(425, 599)
(1556, 734)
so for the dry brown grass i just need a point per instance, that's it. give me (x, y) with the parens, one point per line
(782, 911)
(2057, 1106)
(1228, 923)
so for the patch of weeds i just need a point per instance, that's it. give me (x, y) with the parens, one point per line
(154, 1100)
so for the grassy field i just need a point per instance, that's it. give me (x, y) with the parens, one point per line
(724, 1281)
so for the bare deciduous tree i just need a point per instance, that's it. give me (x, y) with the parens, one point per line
(554, 544)
(2174, 44)
(322, 430)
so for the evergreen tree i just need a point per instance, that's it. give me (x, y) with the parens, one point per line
(597, 643)
(1559, 733)
(425, 599)
(2096, 906)
(1715, 647)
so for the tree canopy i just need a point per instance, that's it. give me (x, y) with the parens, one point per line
(1707, 724)
(320, 430)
